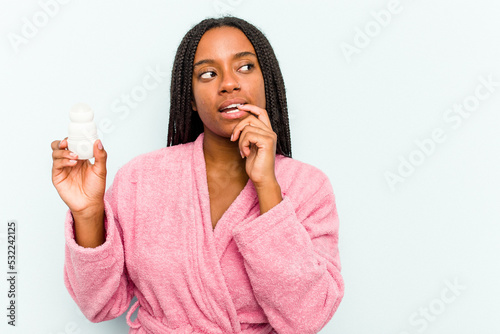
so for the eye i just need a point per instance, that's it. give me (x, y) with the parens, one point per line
(207, 75)
(247, 67)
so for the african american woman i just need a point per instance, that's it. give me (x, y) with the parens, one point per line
(221, 231)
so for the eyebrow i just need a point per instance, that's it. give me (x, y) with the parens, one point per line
(236, 56)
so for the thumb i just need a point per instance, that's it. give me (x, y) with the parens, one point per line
(100, 158)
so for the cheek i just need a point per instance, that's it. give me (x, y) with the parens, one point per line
(202, 96)
(197, 97)
(202, 106)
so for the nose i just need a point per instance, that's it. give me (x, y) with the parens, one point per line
(229, 83)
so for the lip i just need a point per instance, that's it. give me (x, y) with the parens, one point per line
(233, 115)
(232, 101)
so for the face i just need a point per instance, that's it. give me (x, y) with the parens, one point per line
(226, 71)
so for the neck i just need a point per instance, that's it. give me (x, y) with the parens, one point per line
(223, 155)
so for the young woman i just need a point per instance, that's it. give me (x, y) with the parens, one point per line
(219, 232)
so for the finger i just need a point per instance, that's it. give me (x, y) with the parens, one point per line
(64, 143)
(240, 127)
(63, 158)
(101, 156)
(59, 144)
(64, 154)
(258, 137)
(62, 163)
(260, 113)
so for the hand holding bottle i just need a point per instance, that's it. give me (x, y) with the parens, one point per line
(80, 183)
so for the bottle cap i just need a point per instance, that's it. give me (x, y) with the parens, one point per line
(81, 112)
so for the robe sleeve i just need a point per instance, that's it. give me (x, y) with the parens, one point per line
(96, 278)
(291, 257)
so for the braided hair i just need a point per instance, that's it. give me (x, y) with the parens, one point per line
(185, 124)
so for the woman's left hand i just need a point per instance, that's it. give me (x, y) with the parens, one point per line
(257, 142)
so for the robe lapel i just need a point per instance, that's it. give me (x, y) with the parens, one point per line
(208, 244)
(245, 206)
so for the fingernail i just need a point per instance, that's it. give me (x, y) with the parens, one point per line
(99, 145)
(231, 137)
(73, 155)
(242, 156)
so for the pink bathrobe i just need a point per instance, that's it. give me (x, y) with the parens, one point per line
(273, 273)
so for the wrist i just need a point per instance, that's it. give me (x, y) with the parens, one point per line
(90, 213)
(269, 196)
(89, 227)
(268, 186)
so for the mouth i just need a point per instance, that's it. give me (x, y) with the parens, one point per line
(231, 106)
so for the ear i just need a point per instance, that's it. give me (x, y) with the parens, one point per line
(193, 105)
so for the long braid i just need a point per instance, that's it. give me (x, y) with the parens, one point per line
(185, 124)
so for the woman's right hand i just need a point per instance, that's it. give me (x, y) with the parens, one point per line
(80, 184)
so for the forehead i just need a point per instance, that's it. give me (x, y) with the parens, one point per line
(222, 42)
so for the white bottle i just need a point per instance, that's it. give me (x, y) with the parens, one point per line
(82, 131)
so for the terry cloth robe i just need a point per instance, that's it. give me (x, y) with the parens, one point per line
(278, 272)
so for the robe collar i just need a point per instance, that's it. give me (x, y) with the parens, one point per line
(208, 244)
(246, 200)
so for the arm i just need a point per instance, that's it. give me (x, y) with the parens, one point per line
(291, 257)
(96, 278)
(89, 228)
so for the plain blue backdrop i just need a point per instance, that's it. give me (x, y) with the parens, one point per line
(397, 101)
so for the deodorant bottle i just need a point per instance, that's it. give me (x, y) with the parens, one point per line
(82, 131)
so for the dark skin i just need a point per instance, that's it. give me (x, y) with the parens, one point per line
(226, 68)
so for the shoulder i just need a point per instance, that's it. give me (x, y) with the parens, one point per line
(298, 177)
(160, 161)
